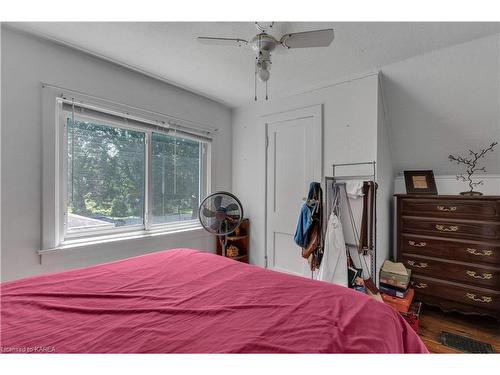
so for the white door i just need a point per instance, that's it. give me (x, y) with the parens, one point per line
(294, 160)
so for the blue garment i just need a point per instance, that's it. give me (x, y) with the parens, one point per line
(305, 220)
(303, 225)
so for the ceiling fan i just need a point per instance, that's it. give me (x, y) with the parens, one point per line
(263, 44)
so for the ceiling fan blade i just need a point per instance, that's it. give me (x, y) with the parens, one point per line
(232, 207)
(208, 213)
(306, 39)
(232, 42)
(217, 202)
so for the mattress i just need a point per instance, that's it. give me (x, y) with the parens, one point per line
(187, 301)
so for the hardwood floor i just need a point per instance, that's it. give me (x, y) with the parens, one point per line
(433, 321)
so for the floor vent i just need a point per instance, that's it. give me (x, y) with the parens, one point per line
(465, 344)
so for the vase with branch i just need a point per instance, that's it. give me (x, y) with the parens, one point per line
(471, 163)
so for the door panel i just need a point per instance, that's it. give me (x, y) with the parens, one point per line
(287, 255)
(293, 162)
(291, 169)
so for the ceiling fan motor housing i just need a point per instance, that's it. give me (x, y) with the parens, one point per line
(263, 42)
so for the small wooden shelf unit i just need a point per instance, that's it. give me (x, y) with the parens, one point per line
(240, 240)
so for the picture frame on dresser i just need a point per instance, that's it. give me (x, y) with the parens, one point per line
(451, 243)
(420, 182)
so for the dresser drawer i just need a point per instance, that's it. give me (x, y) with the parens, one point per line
(453, 229)
(466, 251)
(457, 292)
(488, 210)
(473, 274)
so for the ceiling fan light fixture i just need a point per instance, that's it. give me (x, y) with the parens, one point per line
(263, 75)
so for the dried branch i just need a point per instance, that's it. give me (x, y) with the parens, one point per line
(471, 164)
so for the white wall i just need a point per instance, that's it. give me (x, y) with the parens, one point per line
(26, 63)
(349, 135)
(385, 176)
(444, 102)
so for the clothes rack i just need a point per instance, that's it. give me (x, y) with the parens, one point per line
(331, 181)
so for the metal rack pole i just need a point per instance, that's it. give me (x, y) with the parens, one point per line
(373, 176)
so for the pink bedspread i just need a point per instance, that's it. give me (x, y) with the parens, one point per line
(186, 301)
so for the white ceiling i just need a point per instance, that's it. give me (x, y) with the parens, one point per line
(169, 51)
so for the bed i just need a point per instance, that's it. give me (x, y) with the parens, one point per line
(188, 301)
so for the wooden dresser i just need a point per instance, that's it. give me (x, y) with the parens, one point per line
(452, 245)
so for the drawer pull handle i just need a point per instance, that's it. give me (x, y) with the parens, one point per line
(485, 253)
(484, 276)
(419, 265)
(483, 299)
(447, 208)
(421, 285)
(449, 228)
(417, 244)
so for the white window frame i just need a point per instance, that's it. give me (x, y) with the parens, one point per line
(55, 177)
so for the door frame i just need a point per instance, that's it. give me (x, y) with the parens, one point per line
(315, 112)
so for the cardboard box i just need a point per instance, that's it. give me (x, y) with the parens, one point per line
(400, 304)
(395, 274)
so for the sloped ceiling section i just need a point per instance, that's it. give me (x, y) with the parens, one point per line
(444, 102)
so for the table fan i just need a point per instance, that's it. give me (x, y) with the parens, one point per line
(220, 214)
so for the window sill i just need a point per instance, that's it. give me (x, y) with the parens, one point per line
(97, 240)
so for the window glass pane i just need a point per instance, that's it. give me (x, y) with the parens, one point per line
(176, 165)
(105, 176)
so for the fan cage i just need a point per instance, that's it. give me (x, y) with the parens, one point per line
(226, 199)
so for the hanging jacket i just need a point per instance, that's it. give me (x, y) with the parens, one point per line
(303, 225)
(305, 221)
(308, 231)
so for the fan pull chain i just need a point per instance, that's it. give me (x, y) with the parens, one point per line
(256, 61)
(266, 91)
(255, 80)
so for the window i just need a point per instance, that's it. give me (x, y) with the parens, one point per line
(124, 174)
(106, 175)
(176, 178)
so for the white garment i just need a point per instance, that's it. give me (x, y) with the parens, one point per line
(333, 267)
(354, 189)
